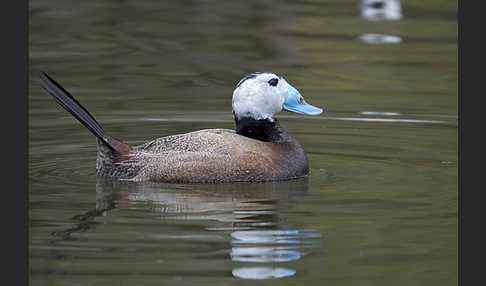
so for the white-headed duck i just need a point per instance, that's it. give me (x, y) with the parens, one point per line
(258, 150)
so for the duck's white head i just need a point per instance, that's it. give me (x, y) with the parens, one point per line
(261, 95)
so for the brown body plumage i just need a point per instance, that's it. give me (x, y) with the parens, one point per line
(207, 156)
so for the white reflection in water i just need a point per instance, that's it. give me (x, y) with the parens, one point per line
(381, 10)
(273, 236)
(386, 120)
(269, 246)
(264, 254)
(379, 113)
(379, 39)
(262, 273)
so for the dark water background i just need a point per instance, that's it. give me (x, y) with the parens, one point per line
(380, 205)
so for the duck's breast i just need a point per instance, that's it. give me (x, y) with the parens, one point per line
(218, 155)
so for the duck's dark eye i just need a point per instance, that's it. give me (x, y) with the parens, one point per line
(300, 100)
(273, 82)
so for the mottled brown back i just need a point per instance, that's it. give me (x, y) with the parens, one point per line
(212, 155)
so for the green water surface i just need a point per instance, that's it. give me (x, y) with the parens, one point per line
(379, 207)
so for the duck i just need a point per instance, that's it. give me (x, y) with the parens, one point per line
(258, 150)
(376, 10)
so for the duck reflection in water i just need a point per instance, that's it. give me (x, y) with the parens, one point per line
(247, 213)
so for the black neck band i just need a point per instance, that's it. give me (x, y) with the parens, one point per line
(263, 129)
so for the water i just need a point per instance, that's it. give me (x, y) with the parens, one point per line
(380, 205)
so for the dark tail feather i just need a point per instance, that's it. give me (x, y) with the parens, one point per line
(66, 100)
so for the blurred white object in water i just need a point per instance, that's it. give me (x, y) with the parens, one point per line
(262, 273)
(379, 39)
(381, 9)
(379, 113)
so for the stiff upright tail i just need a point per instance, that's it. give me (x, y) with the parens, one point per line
(66, 100)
